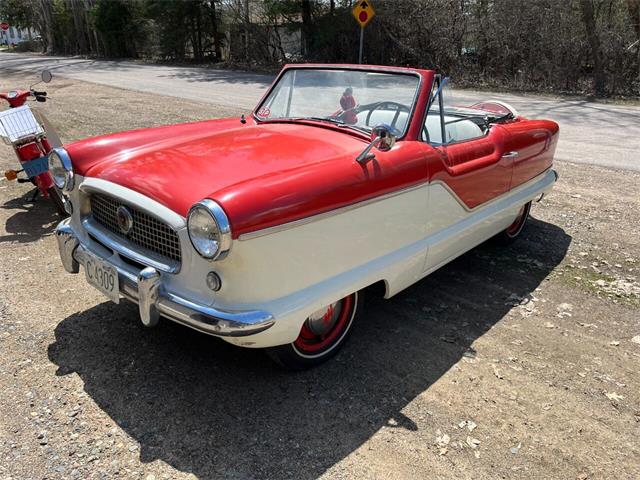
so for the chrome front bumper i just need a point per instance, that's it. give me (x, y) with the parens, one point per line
(146, 289)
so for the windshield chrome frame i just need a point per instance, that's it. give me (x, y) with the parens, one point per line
(373, 69)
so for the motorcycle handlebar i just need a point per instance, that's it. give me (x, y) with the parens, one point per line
(36, 93)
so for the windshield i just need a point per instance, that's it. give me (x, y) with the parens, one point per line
(350, 98)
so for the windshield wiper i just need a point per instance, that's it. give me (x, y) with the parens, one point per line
(333, 121)
(324, 119)
(296, 119)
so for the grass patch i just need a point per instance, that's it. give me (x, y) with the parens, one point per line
(585, 280)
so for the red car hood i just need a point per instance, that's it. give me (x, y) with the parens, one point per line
(261, 174)
(179, 165)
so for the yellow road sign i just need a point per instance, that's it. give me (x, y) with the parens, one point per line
(363, 12)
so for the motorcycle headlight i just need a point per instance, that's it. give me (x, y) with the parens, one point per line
(61, 169)
(209, 230)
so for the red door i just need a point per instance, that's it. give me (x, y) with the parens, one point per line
(477, 170)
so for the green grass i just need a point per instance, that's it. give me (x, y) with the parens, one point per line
(584, 279)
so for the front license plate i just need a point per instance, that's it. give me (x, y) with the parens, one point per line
(102, 276)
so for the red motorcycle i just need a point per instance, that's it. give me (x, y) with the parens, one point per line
(32, 138)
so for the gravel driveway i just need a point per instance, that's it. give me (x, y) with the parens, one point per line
(519, 362)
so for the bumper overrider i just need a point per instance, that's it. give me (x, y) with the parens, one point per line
(147, 290)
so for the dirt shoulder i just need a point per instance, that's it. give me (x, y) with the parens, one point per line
(518, 362)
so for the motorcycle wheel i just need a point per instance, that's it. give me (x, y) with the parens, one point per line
(58, 200)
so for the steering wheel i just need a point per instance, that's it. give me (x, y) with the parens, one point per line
(399, 108)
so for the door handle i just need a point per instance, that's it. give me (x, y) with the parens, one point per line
(510, 155)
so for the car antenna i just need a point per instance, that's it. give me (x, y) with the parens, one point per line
(242, 119)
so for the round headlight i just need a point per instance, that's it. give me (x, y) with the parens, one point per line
(61, 169)
(209, 230)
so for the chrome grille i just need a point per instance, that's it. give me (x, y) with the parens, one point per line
(146, 232)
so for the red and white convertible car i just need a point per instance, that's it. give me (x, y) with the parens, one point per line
(265, 230)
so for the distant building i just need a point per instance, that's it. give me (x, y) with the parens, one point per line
(15, 35)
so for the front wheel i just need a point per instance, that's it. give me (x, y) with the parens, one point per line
(321, 335)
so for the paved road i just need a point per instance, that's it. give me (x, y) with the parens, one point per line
(595, 133)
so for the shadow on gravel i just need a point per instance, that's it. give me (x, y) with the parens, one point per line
(218, 411)
(31, 220)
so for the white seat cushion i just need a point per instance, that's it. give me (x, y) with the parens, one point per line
(456, 132)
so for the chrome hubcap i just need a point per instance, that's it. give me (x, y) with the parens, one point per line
(323, 320)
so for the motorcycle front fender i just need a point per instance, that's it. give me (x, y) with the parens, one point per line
(52, 135)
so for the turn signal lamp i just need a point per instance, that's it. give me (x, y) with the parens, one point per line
(10, 174)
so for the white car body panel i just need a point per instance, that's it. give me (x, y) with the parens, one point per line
(413, 243)
(295, 269)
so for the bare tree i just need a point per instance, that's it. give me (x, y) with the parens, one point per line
(567, 46)
(588, 18)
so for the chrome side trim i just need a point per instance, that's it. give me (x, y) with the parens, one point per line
(458, 199)
(496, 199)
(330, 213)
(337, 211)
(114, 243)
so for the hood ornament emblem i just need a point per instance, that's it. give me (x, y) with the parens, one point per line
(124, 219)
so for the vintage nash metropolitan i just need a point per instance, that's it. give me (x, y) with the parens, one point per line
(266, 230)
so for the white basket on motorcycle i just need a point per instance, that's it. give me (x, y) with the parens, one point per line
(18, 124)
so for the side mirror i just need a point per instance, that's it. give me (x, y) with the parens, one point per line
(46, 76)
(383, 137)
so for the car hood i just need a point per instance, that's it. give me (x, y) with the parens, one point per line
(181, 164)
(261, 174)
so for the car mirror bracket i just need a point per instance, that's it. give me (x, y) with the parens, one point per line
(383, 137)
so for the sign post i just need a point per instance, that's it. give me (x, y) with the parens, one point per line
(363, 12)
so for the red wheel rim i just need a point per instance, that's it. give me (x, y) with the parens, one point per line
(513, 229)
(310, 342)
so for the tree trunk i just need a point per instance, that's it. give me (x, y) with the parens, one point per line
(482, 15)
(588, 18)
(278, 44)
(47, 27)
(193, 37)
(307, 26)
(80, 27)
(200, 52)
(92, 35)
(214, 29)
(634, 13)
(247, 26)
